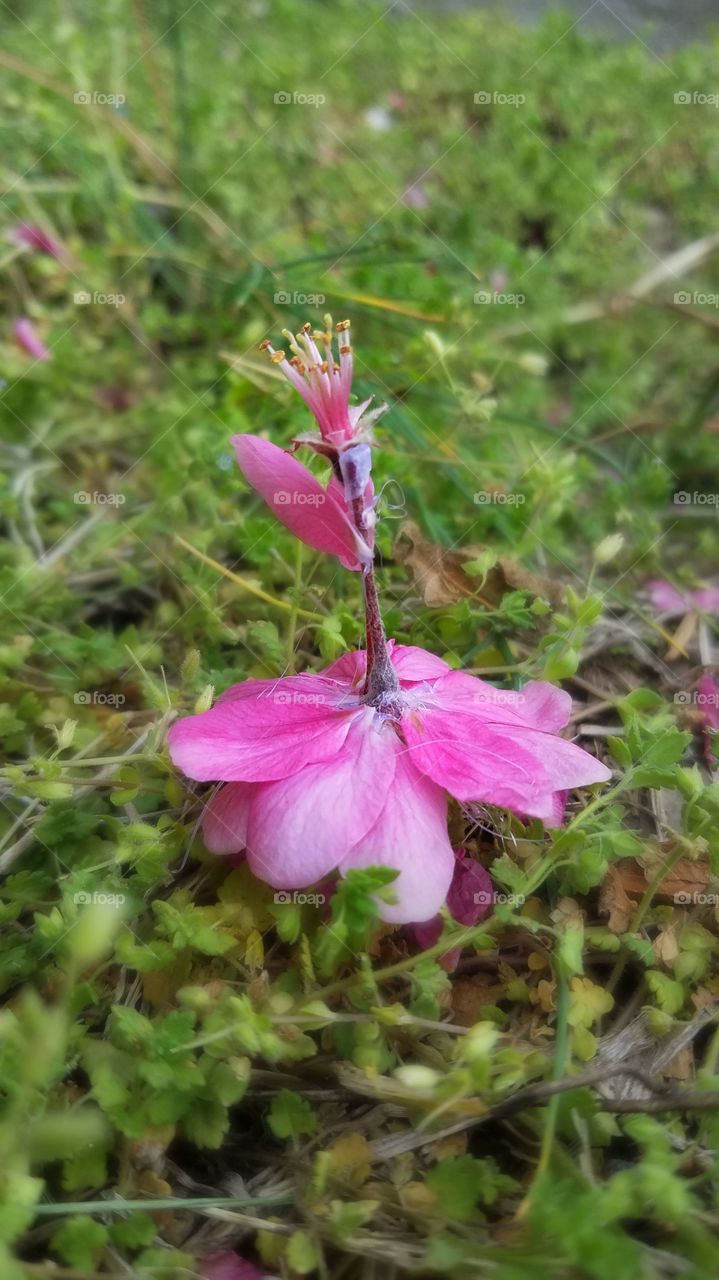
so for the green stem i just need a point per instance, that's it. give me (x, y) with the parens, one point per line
(130, 1206)
(559, 1068)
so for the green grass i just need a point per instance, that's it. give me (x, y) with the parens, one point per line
(197, 1033)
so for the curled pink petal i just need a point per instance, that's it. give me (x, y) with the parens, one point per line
(299, 501)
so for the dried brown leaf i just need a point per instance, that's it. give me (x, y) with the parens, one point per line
(441, 578)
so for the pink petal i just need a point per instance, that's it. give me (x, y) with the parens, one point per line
(707, 599)
(666, 598)
(513, 767)
(251, 739)
(34, 237)
(224, 821)
(228, 1265)
(415, 665)
(471, 893)
(307, 688)
(300, 828)
(298, 500)
(349, 669)
(539, 704)
(410, 835)
(412, 665)
(28, 338)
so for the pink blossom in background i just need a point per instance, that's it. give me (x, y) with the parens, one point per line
(415, 196)
(28, 338)
(228, 1265)
(668, 599)
(320, 777)
(33, 237)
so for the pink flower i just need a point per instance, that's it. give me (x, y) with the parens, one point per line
(321, 774)
(340, 518)
(228, 1265)
(28, 338)
(668, 599)
(325, 387)
(33, 237)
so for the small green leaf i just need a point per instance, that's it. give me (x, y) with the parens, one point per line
(290, 1116)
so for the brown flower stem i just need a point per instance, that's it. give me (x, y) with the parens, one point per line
(381, 676)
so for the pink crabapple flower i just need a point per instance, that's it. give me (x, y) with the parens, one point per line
(32, 236)
(340, 517)
(27, 336)
(319, 777)
(668, 599)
